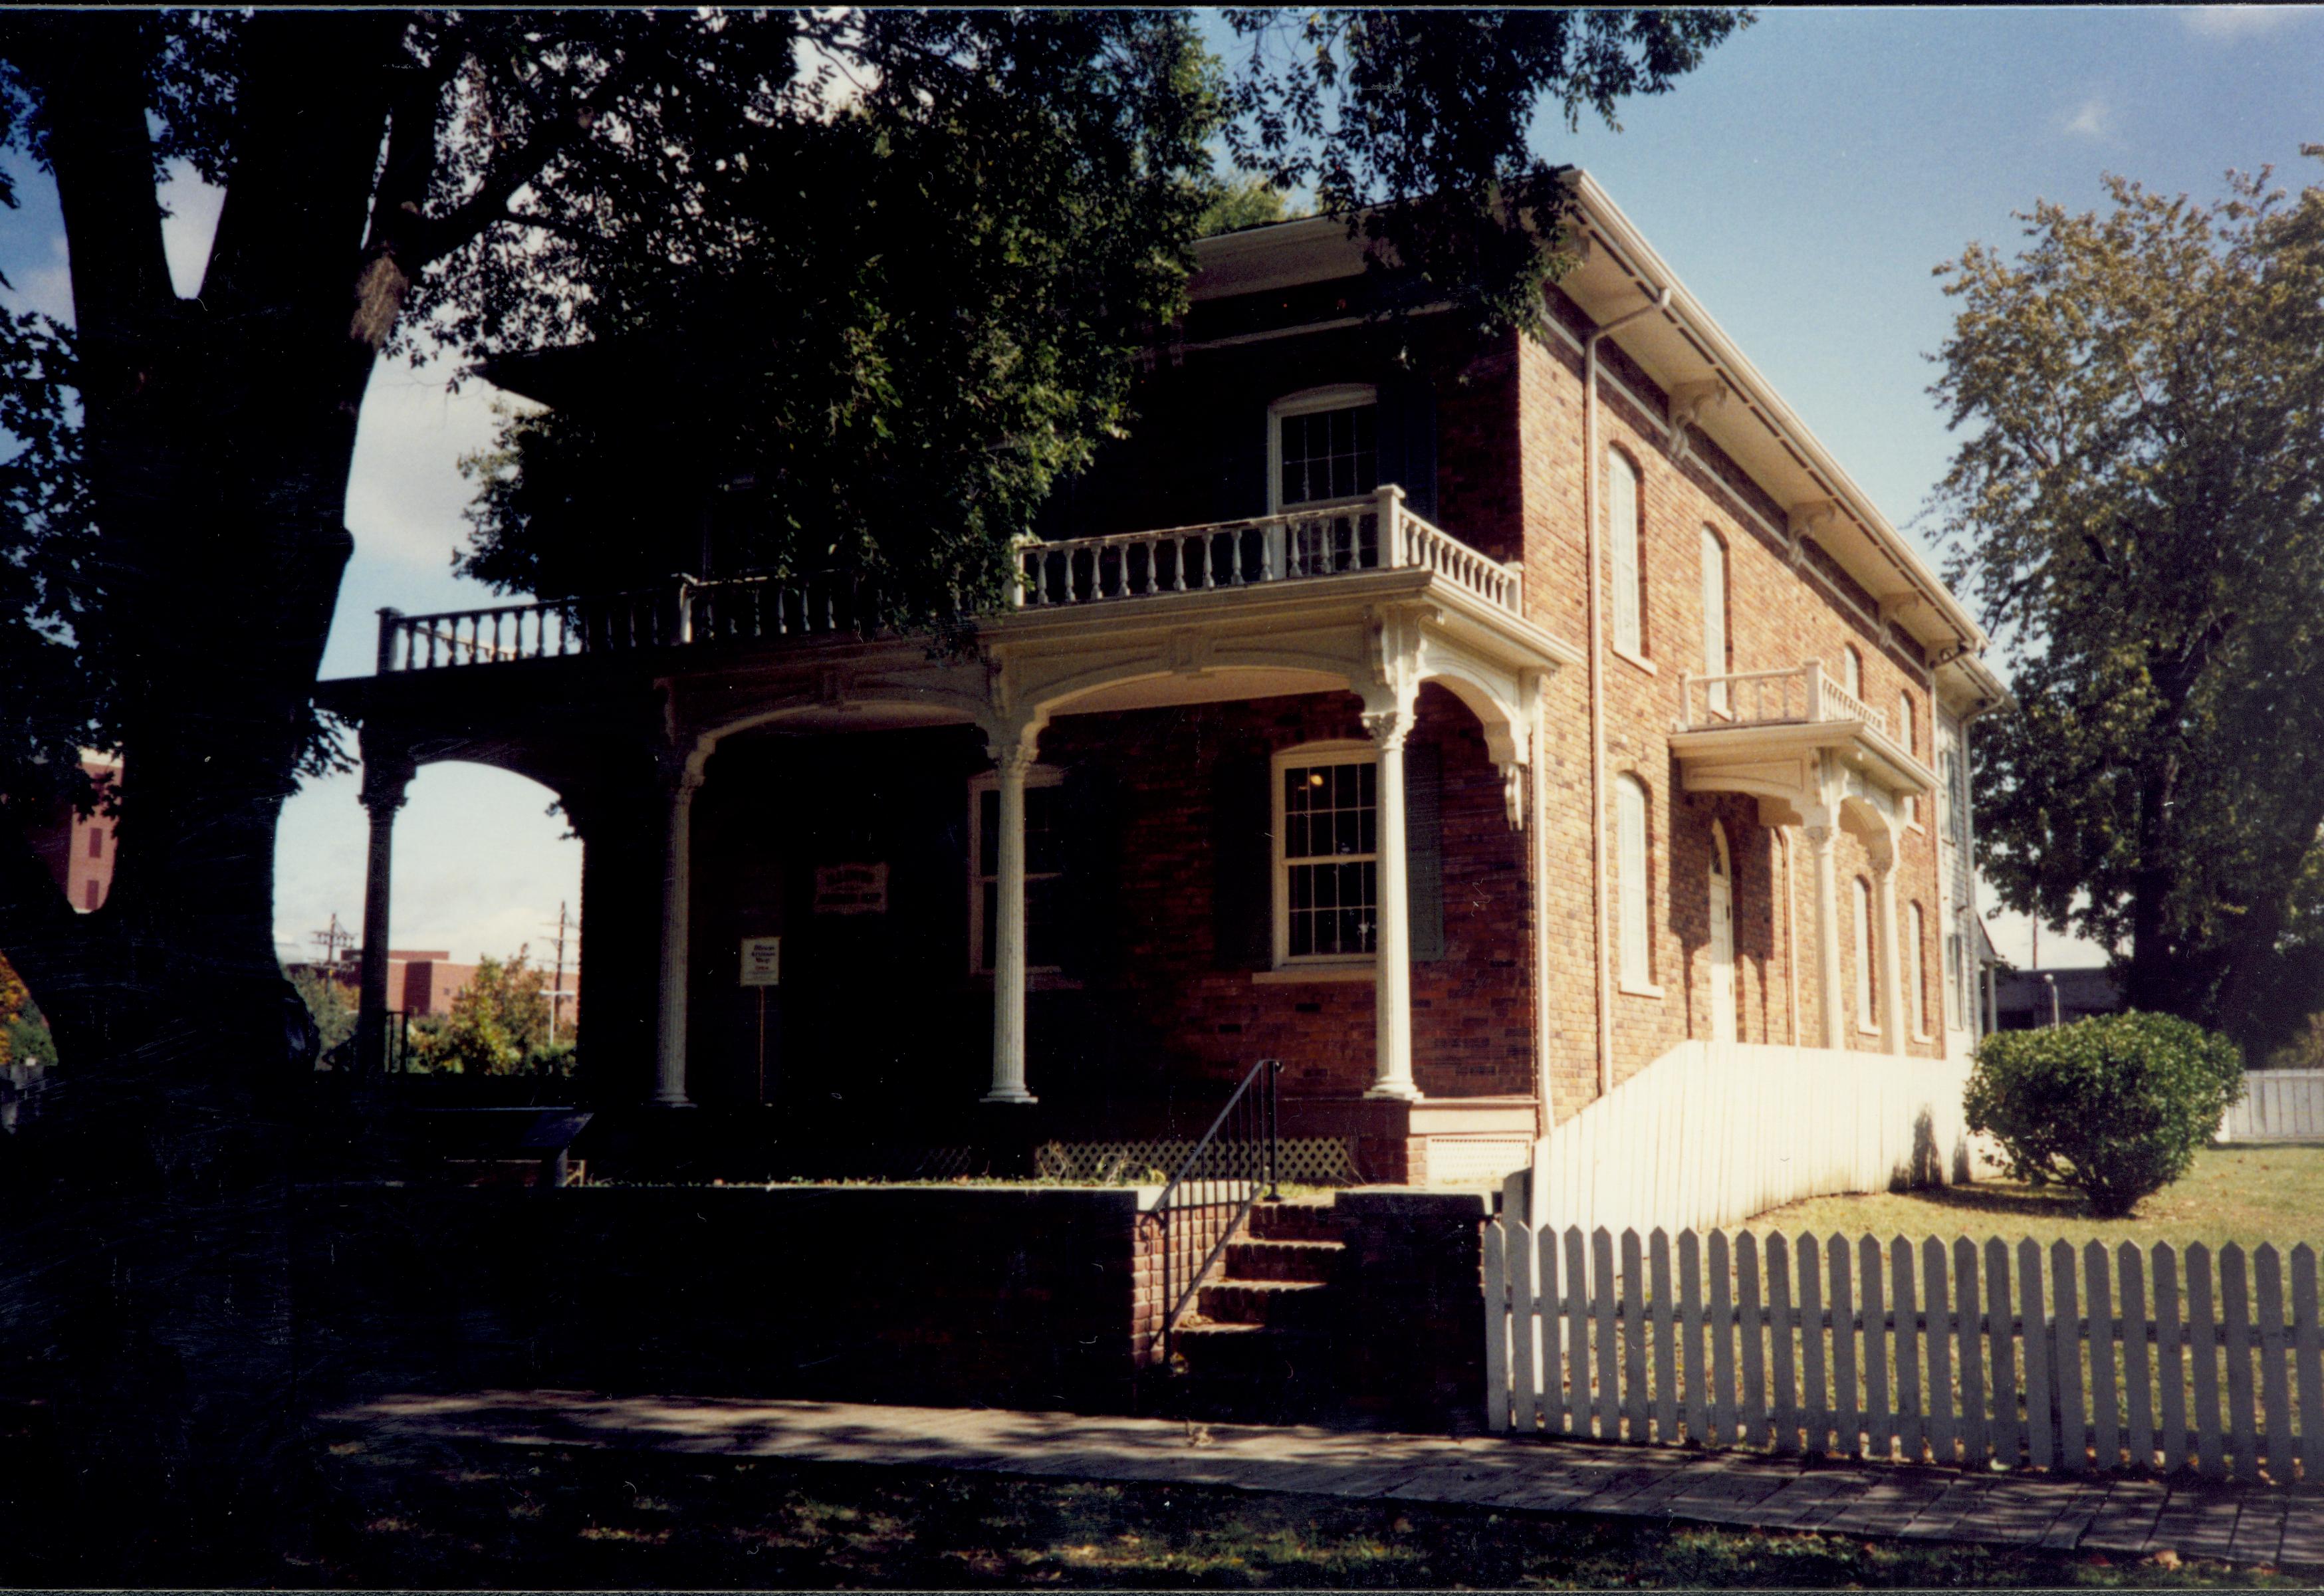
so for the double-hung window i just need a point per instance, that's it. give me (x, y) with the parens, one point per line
(1327, 854)
(1044, 870)
(1324, 444)
(1622, 533)
(1714, 618)
(1635, 929)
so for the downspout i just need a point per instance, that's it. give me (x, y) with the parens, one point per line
(1598, 684)
(1978, 1028)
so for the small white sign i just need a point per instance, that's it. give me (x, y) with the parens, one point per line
(763, 960)
(850, 888)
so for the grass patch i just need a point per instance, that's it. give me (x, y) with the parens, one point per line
(423, 1514)
(2247, 1195)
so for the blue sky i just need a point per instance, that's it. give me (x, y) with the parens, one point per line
(1803, 183)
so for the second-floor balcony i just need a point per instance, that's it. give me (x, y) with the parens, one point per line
(1797, 738)
(1313, 543)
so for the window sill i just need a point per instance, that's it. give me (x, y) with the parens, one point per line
(1301, 974)
(1640, 660)
(1641, 989)
(1863, 1030)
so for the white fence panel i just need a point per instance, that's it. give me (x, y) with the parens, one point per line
(2277, 1105)
(2138, 1357)
(1733, 1129)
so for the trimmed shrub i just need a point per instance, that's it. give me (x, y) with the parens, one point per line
(2114, 1105)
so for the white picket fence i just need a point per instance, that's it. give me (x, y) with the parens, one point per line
(1713, 1132)
(2277, 1105)
(2146, 1358)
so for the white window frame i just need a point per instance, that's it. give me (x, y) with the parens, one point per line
(1868, 1017)
(1851, 671)
(1333, 752)
(1715, 619)
(1307, 401)
(1625, 557)
(1920, 969)
(1634, 939)
(978, 786)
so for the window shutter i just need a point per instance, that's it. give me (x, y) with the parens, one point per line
(1622, 531)
(1239, 457)
(1407, 441)
(1424, 847)
(1093, 849)
(1242, 855)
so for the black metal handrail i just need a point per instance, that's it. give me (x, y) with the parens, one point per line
(1214, 1188)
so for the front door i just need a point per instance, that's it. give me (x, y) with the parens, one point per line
(1722, 946)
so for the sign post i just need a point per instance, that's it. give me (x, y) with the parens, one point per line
(762, 968)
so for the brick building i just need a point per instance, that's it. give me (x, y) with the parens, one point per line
(78, 849)
(1351, 764)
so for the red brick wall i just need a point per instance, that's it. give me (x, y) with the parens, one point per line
(1778, 617)
(1472, 1010)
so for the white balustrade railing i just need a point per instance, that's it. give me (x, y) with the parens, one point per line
(1375, 532)
(1372, 533)
(1796, 695)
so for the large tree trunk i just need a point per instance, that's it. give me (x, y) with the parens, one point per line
(150, 1216)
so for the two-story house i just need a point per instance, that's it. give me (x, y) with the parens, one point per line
(1468, 722)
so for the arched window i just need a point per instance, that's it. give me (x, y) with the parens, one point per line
(1715, 661)
(1323, 444)
(1851, 671)
(1920, 972)
(1622, 530)
(1866, 1019)
(1635, 939)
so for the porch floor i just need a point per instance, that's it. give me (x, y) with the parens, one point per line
(2236, 1523)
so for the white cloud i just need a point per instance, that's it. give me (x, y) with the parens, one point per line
(188, 228)
(405, 494)
(2240, 22)
(2092, 119)
(480, 867)
(48, 288)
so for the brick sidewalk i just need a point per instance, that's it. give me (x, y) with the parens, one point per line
(2243, 1524)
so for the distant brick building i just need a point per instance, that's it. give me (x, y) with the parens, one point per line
(1490, 719)
(78, 849)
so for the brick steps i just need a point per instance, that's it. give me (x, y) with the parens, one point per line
(1257, 1346)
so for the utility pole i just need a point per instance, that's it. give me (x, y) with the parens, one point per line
(556, 989)
(332, 941)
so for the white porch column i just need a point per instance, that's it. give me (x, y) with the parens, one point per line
(1893, 1035)
(1011, 760)
(676, 928)
(385, 779)
(1831, 1000)
(1392, 941)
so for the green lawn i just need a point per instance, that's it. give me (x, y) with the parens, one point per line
(421, 1515)
(2248, 1194)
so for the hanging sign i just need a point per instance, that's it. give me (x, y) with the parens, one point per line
(850, 888)
(763, 960)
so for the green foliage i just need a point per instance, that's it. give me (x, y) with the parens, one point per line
(2138, 501)
(328, 1002)
(498, 1025)
(24, 1036)
(903, 317)
(2115, 1105)
(1415, 125)
(1248, 202)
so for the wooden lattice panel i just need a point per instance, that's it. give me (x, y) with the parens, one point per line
(1305, 1160)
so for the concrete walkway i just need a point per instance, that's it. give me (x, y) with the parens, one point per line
(2243, 1524)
